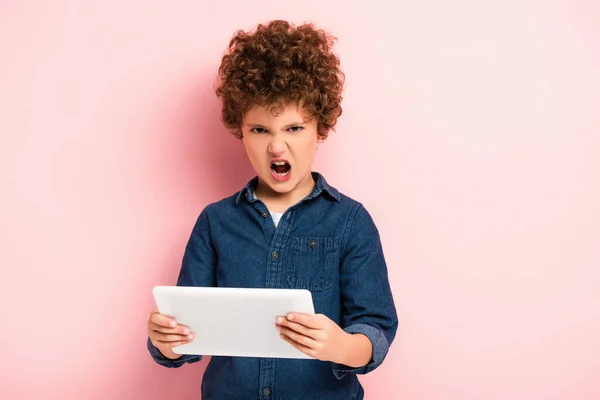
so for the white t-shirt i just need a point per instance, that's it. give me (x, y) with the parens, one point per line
(275, 216)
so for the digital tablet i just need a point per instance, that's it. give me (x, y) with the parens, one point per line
(233, 321)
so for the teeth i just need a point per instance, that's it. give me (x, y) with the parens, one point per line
(278, 162)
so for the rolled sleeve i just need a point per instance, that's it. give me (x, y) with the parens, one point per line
(160, 359)
(380, 348)
(368, 304)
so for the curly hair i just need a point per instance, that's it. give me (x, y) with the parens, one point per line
(277, 65)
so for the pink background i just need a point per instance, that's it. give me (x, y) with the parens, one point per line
(471, 131)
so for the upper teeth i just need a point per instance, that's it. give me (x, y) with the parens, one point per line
(279, 162)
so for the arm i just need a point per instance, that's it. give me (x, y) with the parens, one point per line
(197, 269)
(368, 305)
(369, 314)
(359, 350)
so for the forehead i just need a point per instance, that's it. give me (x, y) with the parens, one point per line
(265, 114)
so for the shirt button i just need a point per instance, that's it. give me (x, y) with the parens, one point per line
(312, 243)
(275, 254)
(264, 214)
(266, 391)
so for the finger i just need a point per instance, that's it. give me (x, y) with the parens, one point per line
(299, 338)
(303, 349)
(163, 337)
(310, 321)
(163, 320)
(312, 333)
(179, 329)
(171, 344)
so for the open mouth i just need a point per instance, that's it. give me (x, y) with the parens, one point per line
(280, 168)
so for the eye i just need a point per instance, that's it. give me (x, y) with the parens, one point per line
(296, 128)
(258, 130)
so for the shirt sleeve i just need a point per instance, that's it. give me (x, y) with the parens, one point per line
(160, 359)
(197, 269)
(367, 300)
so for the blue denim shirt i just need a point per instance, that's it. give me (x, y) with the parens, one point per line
(327, 243)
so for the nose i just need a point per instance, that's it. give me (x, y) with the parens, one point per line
(277, 146)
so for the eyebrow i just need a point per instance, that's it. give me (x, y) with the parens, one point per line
(253, 125)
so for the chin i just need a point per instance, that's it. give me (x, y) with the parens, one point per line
(282, 188)
(278, 187)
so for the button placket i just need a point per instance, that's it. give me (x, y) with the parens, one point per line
(272, 280)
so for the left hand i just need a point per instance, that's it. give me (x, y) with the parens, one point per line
(314, 335)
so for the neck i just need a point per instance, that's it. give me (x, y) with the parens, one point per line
(279, 202)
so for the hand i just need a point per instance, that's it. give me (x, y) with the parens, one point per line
(165, 333)
(315, 335)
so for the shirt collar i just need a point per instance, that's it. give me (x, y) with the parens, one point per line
(321, 186)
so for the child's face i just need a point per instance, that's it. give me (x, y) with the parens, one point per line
(280, 148)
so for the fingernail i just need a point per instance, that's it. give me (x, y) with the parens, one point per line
(279, 320)
(191, 336)
(186, 331)
(172, 324)
(290, 316)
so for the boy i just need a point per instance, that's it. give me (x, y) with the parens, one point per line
(281, 90)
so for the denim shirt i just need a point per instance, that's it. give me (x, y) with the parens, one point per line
(326, 243)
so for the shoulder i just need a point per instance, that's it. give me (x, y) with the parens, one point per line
(214, 211)
(221, 207)
(354, 206)
(225, 202)
(359, 220)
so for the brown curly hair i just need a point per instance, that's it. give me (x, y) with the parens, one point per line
(277, 65)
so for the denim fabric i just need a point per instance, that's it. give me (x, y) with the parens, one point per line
(327, 243)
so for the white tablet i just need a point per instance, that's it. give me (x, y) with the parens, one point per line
(233, 321)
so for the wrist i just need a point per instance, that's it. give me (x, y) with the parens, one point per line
(345, 346)
(357, 350)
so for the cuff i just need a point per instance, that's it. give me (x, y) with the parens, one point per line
(380, 348)
(160, 359)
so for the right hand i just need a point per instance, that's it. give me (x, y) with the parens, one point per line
(165, 333)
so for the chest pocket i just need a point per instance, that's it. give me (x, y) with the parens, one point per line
(313, 264)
